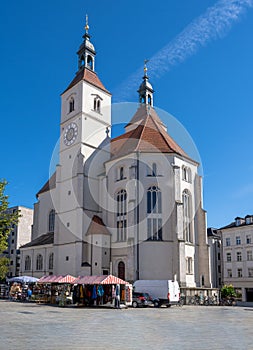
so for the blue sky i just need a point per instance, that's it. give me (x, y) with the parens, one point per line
(207, 85)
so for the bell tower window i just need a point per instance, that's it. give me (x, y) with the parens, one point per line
(97, 103)
(71, 105)
(89, 62)
(82, 61)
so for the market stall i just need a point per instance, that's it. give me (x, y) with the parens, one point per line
(54, 289)
(20, 287)
(101, 290)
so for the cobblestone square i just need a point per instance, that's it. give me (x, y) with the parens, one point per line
(42, 327)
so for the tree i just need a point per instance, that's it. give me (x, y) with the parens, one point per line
(7, 219)
(228, 291)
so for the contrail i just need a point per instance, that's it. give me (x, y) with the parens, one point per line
(215, 23)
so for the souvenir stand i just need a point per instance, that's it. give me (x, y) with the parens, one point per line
(19, 287)
(101, 290)
(54, 289)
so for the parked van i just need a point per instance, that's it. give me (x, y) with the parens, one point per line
(163, 292)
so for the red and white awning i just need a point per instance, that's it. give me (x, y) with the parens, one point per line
(99, 279)
(57, 279)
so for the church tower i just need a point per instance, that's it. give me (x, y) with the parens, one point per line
(146, 90)
(85, 123)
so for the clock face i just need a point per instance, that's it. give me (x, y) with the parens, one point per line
(70, 134)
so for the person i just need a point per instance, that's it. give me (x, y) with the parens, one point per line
(29, 293)
(117, 297)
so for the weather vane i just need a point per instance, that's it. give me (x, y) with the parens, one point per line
(86, 25)
(145, 67)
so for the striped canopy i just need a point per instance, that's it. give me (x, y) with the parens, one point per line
(99, 279)
(57, 279)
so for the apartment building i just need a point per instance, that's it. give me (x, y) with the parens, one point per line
(237, 251)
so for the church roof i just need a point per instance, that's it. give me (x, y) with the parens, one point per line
(148, 135)
(97, 227)
(90, 77)
(47, 238)
(49, 185)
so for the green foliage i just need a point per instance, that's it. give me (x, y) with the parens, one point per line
(7, 219)
(228, 291)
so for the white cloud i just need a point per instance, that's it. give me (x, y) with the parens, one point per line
(213, 24)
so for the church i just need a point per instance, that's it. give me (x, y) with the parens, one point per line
(130, 206)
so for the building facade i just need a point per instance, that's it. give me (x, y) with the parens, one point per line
(130, 206)
(237, 243)
(20, 234)
(215, 245)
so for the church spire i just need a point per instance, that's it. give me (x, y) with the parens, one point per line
(86, 52)
(146, 90)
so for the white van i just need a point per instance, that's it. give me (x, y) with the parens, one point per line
(163, 292)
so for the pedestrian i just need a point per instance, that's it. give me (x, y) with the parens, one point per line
(117, 297)
(29, 294)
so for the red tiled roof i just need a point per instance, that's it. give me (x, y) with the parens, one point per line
(97, 227)
(89, 76)
(50, 184)
(149, 135)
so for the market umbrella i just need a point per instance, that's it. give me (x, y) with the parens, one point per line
(23, 279)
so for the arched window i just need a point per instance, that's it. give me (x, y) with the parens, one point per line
(90, 62)
(149, 99)
(121, 202)
(189, 175)
(71, 105)
(51, 261)
(121, 198)
(154, 200)
(121, 270)
(39, 262)
(51, 220)
(27, 263)
(187, 214)
(98, 106)
(154, 169)
(121, 173)
(154, 210)
(82, 61)
(186, 174)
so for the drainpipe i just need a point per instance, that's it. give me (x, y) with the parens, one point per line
(137, 219)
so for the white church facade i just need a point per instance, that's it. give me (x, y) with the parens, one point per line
(130, 206)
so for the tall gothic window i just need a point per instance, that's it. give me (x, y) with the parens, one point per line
(39, 262)
(121, 198)
(154, 200)
(154, 211)
(51, 261)
(27, 263)
(51, 220)
(187, 215)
